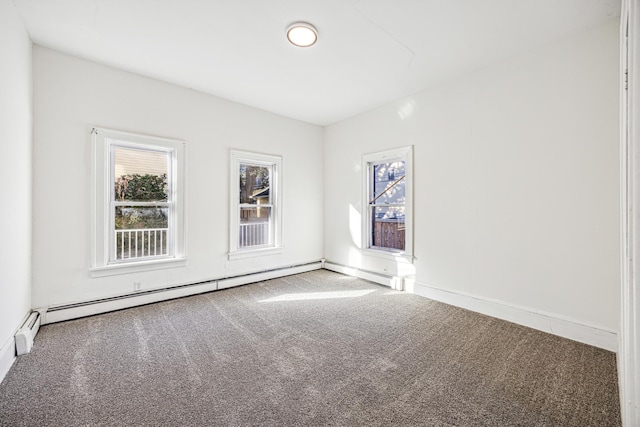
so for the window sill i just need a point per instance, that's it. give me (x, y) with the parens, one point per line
(388, 255)
(136, 267)
(250, 253)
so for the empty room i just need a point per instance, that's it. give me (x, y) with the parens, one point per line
(341, 212)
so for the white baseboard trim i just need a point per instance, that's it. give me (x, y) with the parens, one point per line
(7, 357)
(546, 322)
(381, 279)
(89, 308)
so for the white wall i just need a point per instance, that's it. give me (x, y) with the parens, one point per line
(71, 95)
(15, 176)
(516, 180)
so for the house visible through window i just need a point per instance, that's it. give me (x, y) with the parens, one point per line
(387, 204)
(255, 209)
(256, 228)
(139, 201)
(142, 205)
(387, 221)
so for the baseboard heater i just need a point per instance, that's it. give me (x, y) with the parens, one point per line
(394, 282)
(88, 308)
(25, 335)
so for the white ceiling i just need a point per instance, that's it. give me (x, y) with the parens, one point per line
(370, 52)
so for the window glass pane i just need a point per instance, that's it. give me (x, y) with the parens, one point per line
(254, 184)
(388, 227)
(388, 183)
(141, 231)
(138, 217)
(140, 175)
(254, 226)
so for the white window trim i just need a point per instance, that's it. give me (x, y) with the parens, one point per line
(101, 194)
(405, 154)
(236, 158)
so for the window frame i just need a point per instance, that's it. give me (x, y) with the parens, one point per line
(237, 158)
(368, 162)
(103, 202)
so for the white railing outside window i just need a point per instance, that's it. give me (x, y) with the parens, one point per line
(141, 243)
(253, 234)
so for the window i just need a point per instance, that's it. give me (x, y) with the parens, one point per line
(138, 202)
(255, 204)
(387, 225)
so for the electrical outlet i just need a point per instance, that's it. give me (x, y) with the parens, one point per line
(137, 286)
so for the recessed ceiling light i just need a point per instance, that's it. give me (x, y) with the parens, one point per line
(302, 34)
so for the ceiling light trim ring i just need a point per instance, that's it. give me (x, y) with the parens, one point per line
(302, 34)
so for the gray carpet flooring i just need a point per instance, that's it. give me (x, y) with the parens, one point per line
(313, 349)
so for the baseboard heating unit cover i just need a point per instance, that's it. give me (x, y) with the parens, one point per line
(25, 335)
